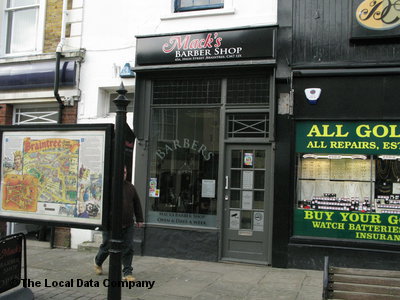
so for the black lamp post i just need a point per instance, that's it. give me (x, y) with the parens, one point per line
(114, 289)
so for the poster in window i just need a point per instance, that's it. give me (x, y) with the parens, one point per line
(55, 174)
(153, 191)
(396, 188)
(234, 220)
(248, 178)
(208, 188)
(258, 221)
(247, 199)
(248, 159)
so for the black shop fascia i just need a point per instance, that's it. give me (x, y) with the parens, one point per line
(346, 167)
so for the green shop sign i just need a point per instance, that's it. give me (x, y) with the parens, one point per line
(348, 137)
(347, 225)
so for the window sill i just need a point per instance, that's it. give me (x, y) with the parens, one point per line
(79, 55)
(195, 14)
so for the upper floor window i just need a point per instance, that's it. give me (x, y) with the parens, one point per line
(188, 5)
(21, 24)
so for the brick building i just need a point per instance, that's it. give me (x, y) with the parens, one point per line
(30, 35)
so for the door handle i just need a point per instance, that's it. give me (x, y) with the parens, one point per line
(226, 182)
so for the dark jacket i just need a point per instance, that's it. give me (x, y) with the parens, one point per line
(131, 205)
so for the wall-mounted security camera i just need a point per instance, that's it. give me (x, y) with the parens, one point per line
(312, 95)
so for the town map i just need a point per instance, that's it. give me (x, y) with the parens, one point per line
(53, 176)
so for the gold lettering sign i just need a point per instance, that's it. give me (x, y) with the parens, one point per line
(379, 14)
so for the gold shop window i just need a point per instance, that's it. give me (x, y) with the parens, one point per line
(363, 183)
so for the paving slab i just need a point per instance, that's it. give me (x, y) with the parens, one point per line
(174, 279)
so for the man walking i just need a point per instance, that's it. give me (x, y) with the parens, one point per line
(131, 207)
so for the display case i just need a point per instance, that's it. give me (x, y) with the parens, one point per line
(363, 183)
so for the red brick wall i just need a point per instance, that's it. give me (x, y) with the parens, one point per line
(6, 114)
(69, 114)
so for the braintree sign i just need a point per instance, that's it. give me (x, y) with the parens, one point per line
(55, 174)
(244, 44)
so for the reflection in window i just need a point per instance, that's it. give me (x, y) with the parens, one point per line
(22, 26)
(245, 220)
(184, 166)
(188, 5)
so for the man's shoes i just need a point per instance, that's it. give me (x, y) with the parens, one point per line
(129, 278)
(97, 269)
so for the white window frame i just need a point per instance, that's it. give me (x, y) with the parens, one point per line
(103, 108)
(40, 22)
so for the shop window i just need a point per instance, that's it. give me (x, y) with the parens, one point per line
(348, 181)
(187, 91)
(22, 26)
(184, 153)
(249, 89)
(336, 182)
(165, 124)
(189, 5)
(35, 114)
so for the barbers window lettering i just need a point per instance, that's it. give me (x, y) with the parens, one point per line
(187, 144)
(184, 153)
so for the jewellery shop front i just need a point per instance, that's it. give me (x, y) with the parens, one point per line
(204, 111)
(347, 169)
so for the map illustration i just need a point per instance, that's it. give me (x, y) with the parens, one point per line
(47, 175)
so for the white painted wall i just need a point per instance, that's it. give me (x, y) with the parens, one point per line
(78, 236)
(109, 30)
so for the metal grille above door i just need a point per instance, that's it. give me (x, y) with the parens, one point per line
(247, 125)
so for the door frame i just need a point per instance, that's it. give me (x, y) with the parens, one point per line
(269, 206)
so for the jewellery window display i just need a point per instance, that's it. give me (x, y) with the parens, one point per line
(336, 182)
(349, 183)
(387, 187)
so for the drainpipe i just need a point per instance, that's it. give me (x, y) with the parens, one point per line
(57, 84)
(58, 59)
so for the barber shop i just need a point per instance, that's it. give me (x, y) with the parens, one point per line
(204, 122)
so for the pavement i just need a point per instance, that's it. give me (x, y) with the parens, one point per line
(164, 278)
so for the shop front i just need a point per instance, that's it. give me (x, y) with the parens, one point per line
(346, 170)
(204, 115)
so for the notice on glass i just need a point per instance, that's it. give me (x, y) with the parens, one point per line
(248, 178)
(234, 219)
(258, 221)
(338, 169)
(247, 200)
(307, 168)
(208, 188)
(396, 188)
(322, 169)
(153, 191)
(248, 159)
